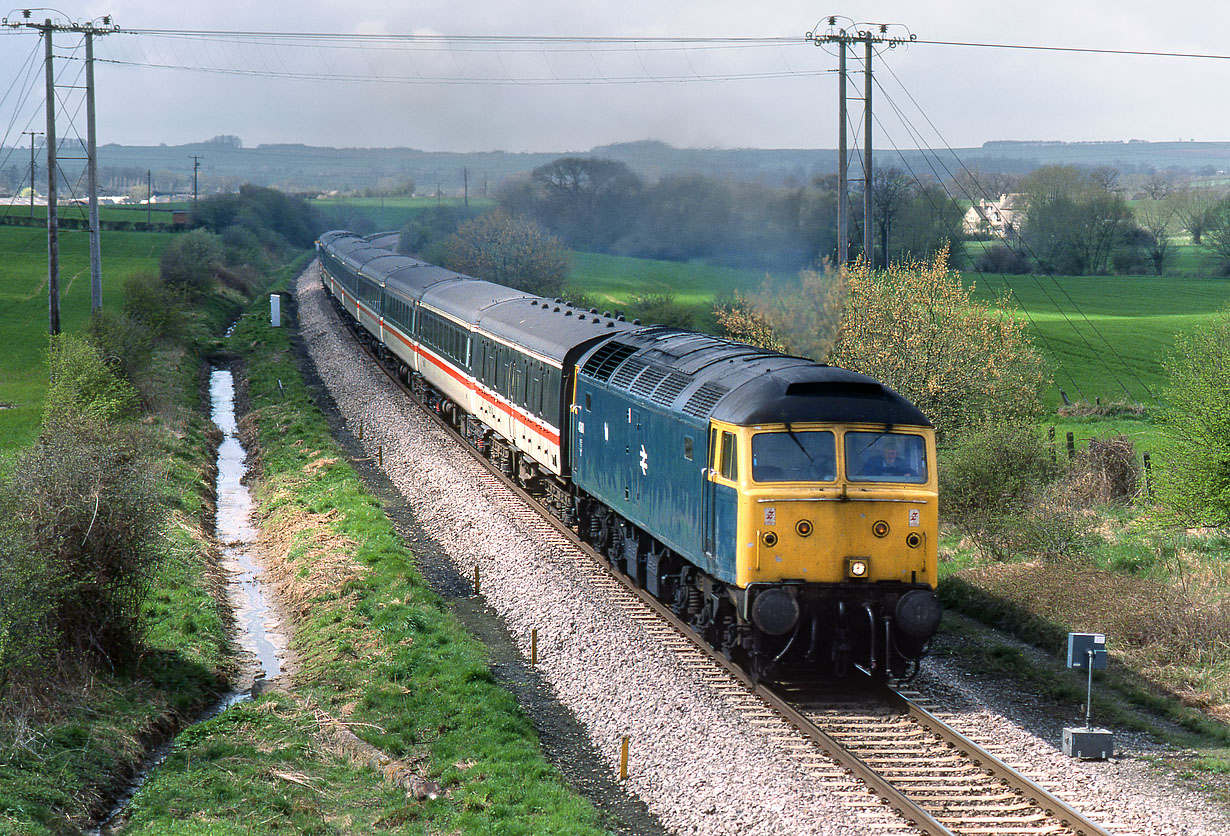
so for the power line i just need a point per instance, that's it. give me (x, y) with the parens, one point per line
(1037, 280)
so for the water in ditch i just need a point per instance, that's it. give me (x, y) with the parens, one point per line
(257, 631)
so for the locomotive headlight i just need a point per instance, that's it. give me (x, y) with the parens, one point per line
(857, 567)
(803, 527)
(880, 529)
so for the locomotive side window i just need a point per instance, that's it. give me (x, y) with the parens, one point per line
(886, 457)
(794, 456)
(687, 443)
(730, 458)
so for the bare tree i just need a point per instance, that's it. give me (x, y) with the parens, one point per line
(1157, 186)
(1158, 220)
(1105, 177)
(1194, 207)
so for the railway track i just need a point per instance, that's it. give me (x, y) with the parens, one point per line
(897, 764)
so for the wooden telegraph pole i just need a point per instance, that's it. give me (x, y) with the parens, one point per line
(843, 32)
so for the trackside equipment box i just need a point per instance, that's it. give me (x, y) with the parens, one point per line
(1089, 744)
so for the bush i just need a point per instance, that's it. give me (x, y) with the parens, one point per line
(156, 306)
(1193, 474)
(190, 261)
(423, 235)
(661, 309)
(1001, 259)
(998, 485)
(81, 514)
(508, 250)
(1106, 471)
(917, 328)
(84, 391)
(124, 344)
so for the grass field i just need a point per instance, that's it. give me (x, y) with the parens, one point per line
(616, 280)
(386, 212)
(1105, 335)
(24, 314)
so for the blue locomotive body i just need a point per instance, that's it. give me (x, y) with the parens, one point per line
(786, 509)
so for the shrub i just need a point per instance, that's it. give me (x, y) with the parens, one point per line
(158, 307)
(84, 501)
(1002, 259)
(998, 485)
(423, 235)
(189, 262)
(661, 309)
(508, 250)
(1193, 473)
(84, 390)
(917, 328)
(124, 344)
(1106, 471)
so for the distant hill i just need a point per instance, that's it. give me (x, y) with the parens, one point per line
(225, 164)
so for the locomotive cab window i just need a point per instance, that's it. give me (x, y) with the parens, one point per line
(730, 457)
(886, 457)
(794, 456)
(687, 447)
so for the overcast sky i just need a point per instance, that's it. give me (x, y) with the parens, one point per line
(538, 96)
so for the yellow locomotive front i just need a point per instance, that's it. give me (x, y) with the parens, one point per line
(837, 526)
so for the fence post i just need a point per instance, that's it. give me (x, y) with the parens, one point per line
(1071, 446)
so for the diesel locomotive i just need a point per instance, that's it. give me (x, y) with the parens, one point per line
(786, 509)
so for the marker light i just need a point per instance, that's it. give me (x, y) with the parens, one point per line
(803, 527)
(880, 529)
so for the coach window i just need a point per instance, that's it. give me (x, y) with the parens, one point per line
(730, 458)
(687, 443)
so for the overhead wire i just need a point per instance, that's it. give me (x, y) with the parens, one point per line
(916, 138)
(1093, 327)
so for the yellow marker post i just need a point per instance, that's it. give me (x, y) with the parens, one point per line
(534, 647)
(380, 454)
(477, 582)
(623, 759)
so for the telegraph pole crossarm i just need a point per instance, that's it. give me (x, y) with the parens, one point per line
(844, 32)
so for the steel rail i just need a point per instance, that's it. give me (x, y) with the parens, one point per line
(1063, 812)
(910, 811)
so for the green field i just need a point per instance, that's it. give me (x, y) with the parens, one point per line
(23, 297)
(616, 280)
(386, 213)
(1105, 335)
(159, 213)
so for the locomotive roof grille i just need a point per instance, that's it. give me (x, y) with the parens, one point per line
(606, 359)
(670, 388)
(627, 372)
(701, 404)
(648, 380)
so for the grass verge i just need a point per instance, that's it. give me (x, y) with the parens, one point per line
(69, 746)
(390, 696)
